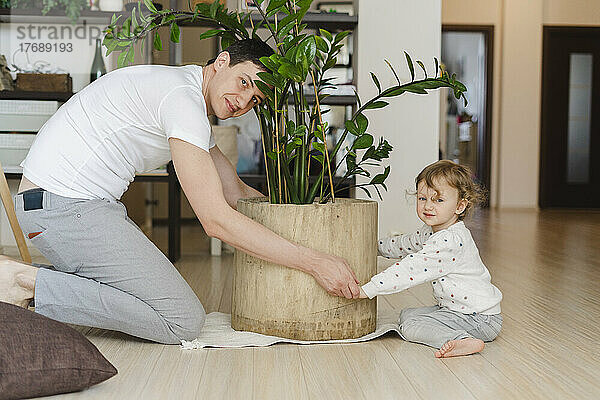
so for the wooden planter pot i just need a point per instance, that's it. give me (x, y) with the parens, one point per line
(280, 301)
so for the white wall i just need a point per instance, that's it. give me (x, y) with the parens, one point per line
(520, 104)
(386, 29)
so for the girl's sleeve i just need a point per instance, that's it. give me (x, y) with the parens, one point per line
(399, 246)
(437, 258)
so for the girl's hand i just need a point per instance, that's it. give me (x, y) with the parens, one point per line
(362, 294)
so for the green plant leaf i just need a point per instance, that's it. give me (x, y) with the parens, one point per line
(304, 5)
(300, 131)
(150, 6)
(114, 19)
(130, 55)
(318, 132)
(352, 128)
(340, 36)
(134, 22)
(423, 68)
(321, 44)
(286, 21)
(433, 84)
(125, 29)
(264, 88)
(214, 8)
(110, 45)
(227, 39)
(168, 18)
(357, 97)
(376, 82)
(269, 79)
(175, 32)
(380, 178)
(415, 89)
(289, 71)
(327, 35)
(274, 6)
(157, 41)
(319, 146)
(272, 155)
(210, 33)
(393, 92)
(393, 71)
(362, 123)
(329, 64)
(121, 59)
(309, 49)
(362, 142)
(269, 63)
(376, 104)
(411, 67)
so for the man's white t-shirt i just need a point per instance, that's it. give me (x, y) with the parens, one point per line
(117, 126)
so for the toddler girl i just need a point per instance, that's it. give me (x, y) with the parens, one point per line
(442, 252)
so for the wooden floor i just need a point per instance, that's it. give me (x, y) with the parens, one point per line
(547, 265)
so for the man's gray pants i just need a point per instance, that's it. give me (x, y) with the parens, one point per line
(436, 325)
(106, 273)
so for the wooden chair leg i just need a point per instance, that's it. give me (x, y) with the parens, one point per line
(12, 217)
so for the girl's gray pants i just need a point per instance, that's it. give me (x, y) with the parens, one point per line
(106, 273)
(436, 325)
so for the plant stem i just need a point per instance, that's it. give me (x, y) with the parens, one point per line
(324, 140)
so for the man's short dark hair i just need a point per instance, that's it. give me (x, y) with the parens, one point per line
(247, 50)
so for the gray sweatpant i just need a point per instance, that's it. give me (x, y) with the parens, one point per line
(106, 273)
(436, 325)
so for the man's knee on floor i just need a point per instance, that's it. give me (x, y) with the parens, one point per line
(191, 327)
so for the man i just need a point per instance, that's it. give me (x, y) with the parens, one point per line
(106, 273)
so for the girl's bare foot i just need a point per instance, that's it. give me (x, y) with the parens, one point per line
(462, 347)
(17, 281)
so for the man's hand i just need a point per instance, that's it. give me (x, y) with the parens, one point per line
(336, 277)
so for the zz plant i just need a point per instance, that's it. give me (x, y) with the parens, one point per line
(293, 132)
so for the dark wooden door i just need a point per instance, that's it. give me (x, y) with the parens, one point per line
(570, 130)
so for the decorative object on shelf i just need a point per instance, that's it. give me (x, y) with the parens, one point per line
(44, 82)
(346, 7)
(247, 5)
(294, 140)
(98, 67)
(6, 80)
(71, 8)
(134, 4)
(110, 5)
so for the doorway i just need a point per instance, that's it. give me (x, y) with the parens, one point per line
(466, 132)
(570, 126)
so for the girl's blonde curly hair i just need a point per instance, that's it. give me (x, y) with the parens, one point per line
(457, 176)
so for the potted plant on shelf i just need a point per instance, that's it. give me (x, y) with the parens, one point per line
(268, 298)
(71, 8)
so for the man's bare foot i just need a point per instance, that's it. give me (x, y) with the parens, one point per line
(17, 281)
(462, 347)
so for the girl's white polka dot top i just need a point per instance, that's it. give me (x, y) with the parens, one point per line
(449, 259)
